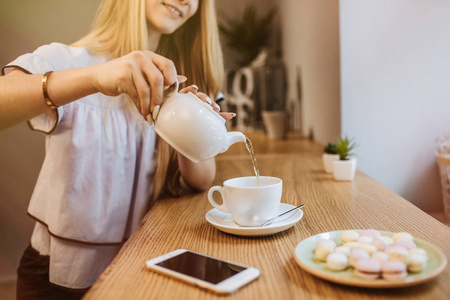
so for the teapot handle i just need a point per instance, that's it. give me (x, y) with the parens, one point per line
(168, 92)
(172, 89)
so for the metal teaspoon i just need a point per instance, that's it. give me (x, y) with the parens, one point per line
(286, 212)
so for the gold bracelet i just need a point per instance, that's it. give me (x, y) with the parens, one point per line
(44, 90)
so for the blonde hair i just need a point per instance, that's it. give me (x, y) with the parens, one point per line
(120, 27)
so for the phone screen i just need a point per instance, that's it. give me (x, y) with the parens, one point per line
(201, 267)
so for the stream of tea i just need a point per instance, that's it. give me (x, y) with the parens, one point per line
(250, 149)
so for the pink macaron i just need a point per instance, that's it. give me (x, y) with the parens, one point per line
(371, 232)
(380, 244)
(369, 269)
(394, 270)
(408, 245)
(357, 254)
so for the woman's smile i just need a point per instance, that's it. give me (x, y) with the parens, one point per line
(173, 10)
(166, 16)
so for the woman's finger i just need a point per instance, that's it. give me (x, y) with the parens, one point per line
(155, 79)
(192, 88)
(215, 106)
(227, 115)
(128, 87)
(181, 78)
(156, 90)
(166, 66)
(143, 91)
(204, 98)
(133, 94)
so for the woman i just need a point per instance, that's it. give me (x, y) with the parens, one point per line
(104, 164)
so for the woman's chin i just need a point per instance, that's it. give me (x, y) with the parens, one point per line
(164, 28)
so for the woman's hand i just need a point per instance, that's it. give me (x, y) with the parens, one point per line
(194, 89)
(140, 74)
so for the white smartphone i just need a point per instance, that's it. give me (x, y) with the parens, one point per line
(205, 271)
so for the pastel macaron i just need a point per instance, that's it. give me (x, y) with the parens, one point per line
(369, 269)
(402, 236)
(356, 255)
(369, 248)
(337, 261)
(351, 245)
(380, 256)
(327, 241)
(371, 232)
(407, 244)
(365, 239)
(349, 236)
(419, 251)
(398, 253)
(389, 241)
(343, 250)
(417, 263)
(380, 244)
(394, 270)
(324, 248)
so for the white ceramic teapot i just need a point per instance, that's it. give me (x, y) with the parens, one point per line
(192, 127)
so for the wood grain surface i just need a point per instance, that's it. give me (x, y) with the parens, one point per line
(330, 205)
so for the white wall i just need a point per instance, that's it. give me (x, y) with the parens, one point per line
(395, 83)
(310, 33)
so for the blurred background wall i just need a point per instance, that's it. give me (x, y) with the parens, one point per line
(310, 34)
(395, 100)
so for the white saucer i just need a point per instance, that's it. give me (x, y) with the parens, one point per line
(225, 222)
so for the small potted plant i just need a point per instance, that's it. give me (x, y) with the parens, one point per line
(344, 168)
(329, 155)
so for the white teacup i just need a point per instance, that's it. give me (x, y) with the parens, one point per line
(248, 203)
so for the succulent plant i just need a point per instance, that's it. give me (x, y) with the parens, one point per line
(344, 148)
(330, 149)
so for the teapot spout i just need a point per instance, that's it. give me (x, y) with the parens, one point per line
(234, 137)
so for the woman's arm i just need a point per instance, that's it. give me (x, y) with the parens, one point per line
(141, 74)
(199, 176)
(21, 97)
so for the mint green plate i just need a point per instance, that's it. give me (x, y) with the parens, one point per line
(304, 255)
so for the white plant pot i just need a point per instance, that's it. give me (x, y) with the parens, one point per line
(344, 169)
(328, 161)
(275, 123)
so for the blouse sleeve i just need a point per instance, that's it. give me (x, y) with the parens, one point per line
(51, 57)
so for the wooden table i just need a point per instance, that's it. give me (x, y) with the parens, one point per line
(330, 205)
